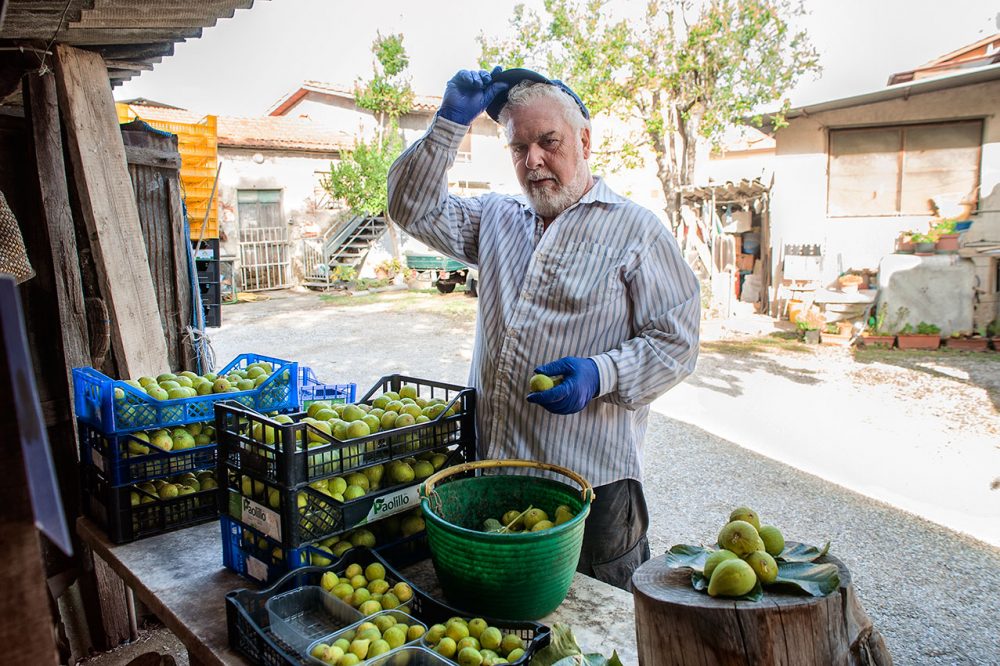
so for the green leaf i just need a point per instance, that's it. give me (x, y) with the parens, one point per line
(683, 555)
(592, 659)
(801, 552)
(818, 580)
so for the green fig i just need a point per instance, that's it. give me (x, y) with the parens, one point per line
(716, 558)
(746, 514)
(740, 537)
(732, 578)
(763, 565)
(773, 540)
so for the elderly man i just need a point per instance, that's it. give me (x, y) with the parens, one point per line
(575, 281)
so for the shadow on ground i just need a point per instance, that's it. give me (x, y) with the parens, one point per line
(723, 363)
(930, 591)
(978, 369)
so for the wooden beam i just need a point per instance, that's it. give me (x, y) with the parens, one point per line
(109, 210)
(42, 108)
(124, 64)
(134, 51)
(92, 36)
(152, 157)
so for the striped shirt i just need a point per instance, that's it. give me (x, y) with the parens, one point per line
(605, 280)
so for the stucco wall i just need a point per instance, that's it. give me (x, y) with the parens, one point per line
(799, 201)
(296, 174)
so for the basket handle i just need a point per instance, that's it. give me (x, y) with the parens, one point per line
(427, 487)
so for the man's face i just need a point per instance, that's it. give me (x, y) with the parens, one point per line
(550, 157)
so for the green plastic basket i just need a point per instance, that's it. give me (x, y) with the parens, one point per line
(516, 576)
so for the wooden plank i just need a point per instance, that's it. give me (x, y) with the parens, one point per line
(108, 207)
(152, 157)
(181, 272)
(43, 109)
(124, 64)
(91, 36)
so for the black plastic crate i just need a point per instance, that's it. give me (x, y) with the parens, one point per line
(212, 314)
(207, 250)
(248, 621)
(112, 509)
(295, 517)
(244, 437)
(211, 294)
(209, 271)
(112, 456)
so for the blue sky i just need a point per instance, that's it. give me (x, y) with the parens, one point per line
(244, 64)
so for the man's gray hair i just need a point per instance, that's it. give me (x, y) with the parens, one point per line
(529, 92)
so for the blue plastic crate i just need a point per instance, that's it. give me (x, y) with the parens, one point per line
(96, 402)
(109, 454)
(253, 555)
(311, 389)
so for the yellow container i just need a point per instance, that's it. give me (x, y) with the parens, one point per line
(198, 146)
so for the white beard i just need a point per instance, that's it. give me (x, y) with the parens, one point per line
(549, 203)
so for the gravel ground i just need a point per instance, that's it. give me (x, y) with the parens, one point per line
(759, 423)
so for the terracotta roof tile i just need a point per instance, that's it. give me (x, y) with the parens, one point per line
(260, 132)
(421, 103)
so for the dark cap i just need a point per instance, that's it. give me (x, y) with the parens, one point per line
(514, 76)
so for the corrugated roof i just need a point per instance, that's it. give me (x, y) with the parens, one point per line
(261, 131)
(421, 103)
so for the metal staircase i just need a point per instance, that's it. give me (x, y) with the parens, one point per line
(346, 245)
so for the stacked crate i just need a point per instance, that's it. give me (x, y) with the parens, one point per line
(206, 259)
(124, 472)
(198, 145)
(277, 505)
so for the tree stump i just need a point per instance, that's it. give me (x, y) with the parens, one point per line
(676, 624)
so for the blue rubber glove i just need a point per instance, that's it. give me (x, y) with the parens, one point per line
(581, 382)
(468, 94)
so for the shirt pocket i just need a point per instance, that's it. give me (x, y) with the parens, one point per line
(586, 276)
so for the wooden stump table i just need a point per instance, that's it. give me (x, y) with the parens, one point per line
(676, 624)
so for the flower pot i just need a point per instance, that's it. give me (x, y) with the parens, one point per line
(947, 244)
(838, 339)
(976, 344)
(880, 341)
(917, 341)
(904, 247)
(923, 249)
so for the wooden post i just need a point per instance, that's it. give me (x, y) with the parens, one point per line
(109, 210)
(676, 624)
(43, 114)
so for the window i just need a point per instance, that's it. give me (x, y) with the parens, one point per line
(898, 170)
(259, 208)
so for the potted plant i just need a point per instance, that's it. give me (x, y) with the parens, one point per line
(388, 269)
(924, 336)
(946, 237)
(993, 333)
(838, 333)
(904, 243)
(969, 341)
(876, 334)
(923, 245)
(808, 332)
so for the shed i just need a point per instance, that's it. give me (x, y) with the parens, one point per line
(852, 174)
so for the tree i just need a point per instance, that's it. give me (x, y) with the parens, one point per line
(676, 75)
(360, 178)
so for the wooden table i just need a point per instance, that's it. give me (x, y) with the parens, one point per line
(179, 576)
